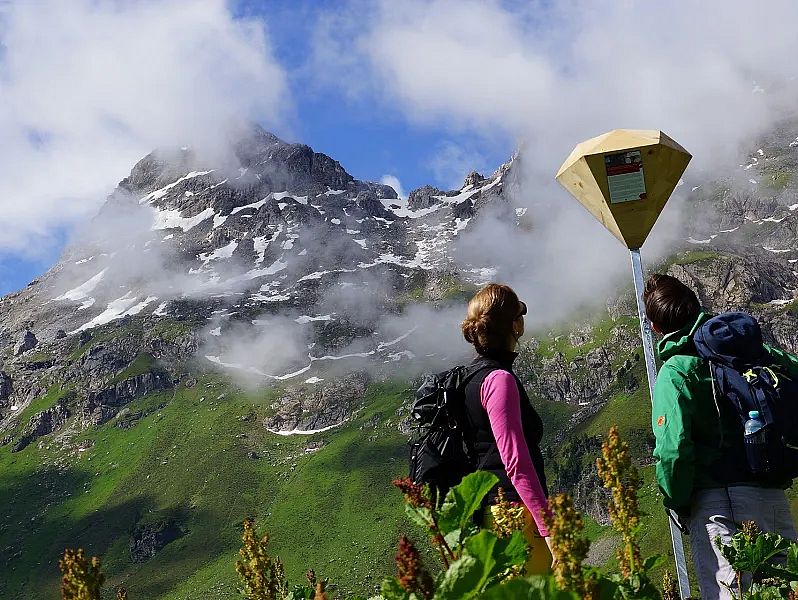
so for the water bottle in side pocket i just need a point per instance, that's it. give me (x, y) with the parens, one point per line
(756, 443)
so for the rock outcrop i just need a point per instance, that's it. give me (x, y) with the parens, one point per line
(6, 388)
(27, 341)
(327, 406)
(44, 423)
(473, 178)
(147, 539)
(735, 282)
(103, 405)
(584, 377)
(424, 197)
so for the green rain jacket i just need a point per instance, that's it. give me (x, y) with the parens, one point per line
(699, 443)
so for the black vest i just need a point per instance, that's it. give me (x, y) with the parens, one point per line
(487, 452)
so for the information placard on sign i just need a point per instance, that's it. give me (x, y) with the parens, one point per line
(625, 176)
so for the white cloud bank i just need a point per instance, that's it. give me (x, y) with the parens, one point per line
(89, 87)
(561, 72)
(713, 75)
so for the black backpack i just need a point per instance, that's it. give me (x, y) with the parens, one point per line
(743, 373)
(442, 453)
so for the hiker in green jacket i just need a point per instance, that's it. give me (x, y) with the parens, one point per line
(701, 462)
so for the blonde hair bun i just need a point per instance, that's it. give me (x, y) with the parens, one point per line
(490, 317)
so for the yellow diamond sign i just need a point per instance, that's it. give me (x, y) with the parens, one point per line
(624, 178)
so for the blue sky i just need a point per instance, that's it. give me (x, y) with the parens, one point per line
(370, 137)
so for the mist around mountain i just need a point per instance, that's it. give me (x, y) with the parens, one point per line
(239, 337)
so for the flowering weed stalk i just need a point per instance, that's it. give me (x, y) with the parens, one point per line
(263, 576)
(411, 574)
(82, 579)
(508, 516)
(670, 588)
(620, 476)
(569, 546)
(421, 509)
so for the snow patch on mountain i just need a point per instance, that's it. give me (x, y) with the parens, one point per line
(82, 291)
(305, 431)
(277, 266)
(136, 309)
(692, 240)
(306, 319)
(160, 193)
(113, 311)
(223, 252)
(173, 219)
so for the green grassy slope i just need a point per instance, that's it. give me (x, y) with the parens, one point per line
(186, 460)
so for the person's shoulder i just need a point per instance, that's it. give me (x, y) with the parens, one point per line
(780, 354)
(683, 365)
(499, 376)
(684, 373)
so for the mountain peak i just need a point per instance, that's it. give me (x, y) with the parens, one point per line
(281, 227)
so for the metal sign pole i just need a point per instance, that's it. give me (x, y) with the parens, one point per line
(645, 326)
(651, 371)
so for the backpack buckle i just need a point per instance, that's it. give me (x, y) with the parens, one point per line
(444, 398)
(765, 374)
(750, 376)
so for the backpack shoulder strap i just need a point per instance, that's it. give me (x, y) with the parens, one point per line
(460, 411)
(475, 368)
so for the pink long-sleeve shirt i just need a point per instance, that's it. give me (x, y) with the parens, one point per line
(502, 401)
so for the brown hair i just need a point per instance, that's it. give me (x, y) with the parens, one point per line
(670, 305)
(490, 317)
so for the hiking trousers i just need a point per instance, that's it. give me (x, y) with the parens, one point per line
(719, 512)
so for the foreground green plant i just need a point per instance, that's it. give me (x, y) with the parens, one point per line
(766, 564)
(475, 560)
(477, 564)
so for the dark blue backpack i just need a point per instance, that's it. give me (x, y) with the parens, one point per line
(743, 373)
(442, 452)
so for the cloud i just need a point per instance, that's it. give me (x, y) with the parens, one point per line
(712, 75)
(269, 348)
(90, 87)
(452, 162)
(562, 72)
(393, 181)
